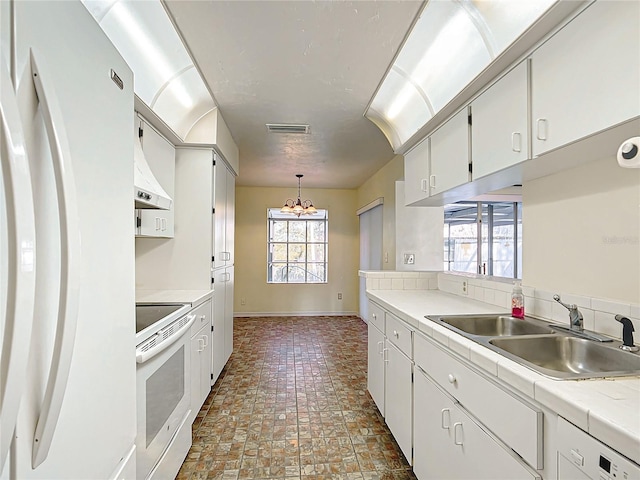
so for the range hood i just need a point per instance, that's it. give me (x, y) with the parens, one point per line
(147, 193)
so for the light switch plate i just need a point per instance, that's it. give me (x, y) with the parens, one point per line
(409, 258)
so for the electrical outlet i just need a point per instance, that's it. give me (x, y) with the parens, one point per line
(409, 259)
(339, 295)
(243, 301)
(386, 257)
(465, 289)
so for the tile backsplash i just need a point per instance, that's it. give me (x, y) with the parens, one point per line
(598, 313)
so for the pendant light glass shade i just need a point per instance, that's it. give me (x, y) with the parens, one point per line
(298, 207)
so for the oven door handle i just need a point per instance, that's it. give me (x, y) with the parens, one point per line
(152, 352)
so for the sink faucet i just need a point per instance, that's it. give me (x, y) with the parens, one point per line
(575, 317)
(627, 334)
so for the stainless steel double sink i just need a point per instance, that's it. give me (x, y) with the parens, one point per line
(539, 346)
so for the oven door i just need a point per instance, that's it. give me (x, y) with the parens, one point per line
(163, 402)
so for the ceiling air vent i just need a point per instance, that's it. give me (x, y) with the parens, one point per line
(287, 128)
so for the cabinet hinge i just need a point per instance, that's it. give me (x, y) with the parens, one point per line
(469, 119)
(411, 377)
(212, 328)
(138, 222)
(213, 259)
(471, 168)
(212, 376)
(140, 132)
(213, 210)
(214, 162)
(212, 280)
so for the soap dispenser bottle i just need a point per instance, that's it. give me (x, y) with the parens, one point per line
(517, 301)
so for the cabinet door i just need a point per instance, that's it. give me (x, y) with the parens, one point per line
(375, 366)
(200, 368)
(481, 456)
(161, 157)
(450, 154)
(220, 219)
(219, 357)
(228, 312)
(448, 444)
(499, 136)
(398, 397)
(230, 219)
(433, 452)
(416, 173)
(585, 78)
(155, 223)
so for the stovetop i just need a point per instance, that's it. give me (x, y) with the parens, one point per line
(148, 314)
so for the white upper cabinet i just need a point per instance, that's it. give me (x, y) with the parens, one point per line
(450, 154)
(161, 157)
(499, 137)
(224, 215)
(585, 78)
(416, 173)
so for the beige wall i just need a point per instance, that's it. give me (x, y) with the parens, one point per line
(581, 231)
(251, 255)
(383, 184)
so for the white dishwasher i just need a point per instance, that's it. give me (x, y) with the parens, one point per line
(582, 457)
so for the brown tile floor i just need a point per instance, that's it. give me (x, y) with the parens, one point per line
(292, 403)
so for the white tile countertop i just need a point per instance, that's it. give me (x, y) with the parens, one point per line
(194, 297)
(609, 409)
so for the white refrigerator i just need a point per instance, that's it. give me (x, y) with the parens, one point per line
(67, 302)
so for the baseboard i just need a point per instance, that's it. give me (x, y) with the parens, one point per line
(294, 314)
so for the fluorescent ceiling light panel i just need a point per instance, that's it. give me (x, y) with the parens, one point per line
(165, 78)
(450, 44)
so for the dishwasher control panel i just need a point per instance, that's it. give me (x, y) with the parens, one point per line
(592, 458)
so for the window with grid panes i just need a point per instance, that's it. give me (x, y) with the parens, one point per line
(297, 247)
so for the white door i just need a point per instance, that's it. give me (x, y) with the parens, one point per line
(499, 126)
(228, 312)
(98, 149)
(398, 397)
(370, 249)
(416, 173)
(450, 154)
(375, 366)
(448, 444)
(219, 217)
(585, 78)
(219, 299)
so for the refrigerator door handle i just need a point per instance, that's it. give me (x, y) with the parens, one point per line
(69, 264)
(21, 282)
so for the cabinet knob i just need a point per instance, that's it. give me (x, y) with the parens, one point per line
(396, 334)
(452, 378)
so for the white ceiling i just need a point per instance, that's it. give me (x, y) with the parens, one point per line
(308, 62)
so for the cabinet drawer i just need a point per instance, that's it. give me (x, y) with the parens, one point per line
(399, 334)
(203, 316)
(376, 316)
(516, 423)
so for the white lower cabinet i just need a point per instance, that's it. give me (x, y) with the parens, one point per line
(223, 281)
(449, 444)
(397, 397)
(375, 366)
(201, 352)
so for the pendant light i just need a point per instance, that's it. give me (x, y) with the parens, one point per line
(298, 207)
